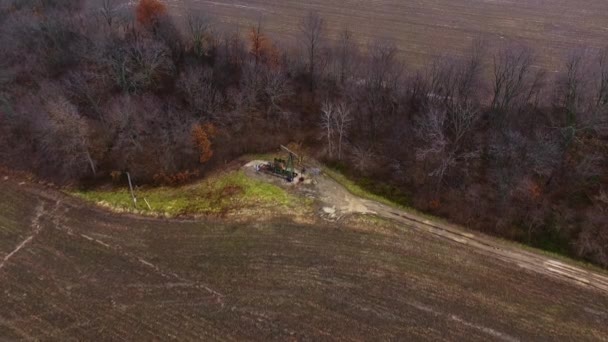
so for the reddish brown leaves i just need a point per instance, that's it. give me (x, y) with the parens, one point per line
(202, 136)
(262, 49)
(149, 12)
(173, 179)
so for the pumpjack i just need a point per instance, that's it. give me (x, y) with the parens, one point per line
(283, 167)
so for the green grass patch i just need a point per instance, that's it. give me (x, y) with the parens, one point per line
(358, 189)
(375, 191)
(217, 195)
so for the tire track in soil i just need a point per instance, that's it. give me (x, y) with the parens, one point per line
(36, 228)
(256, 317)
(120, 251)
(524, 259)
(149, 326)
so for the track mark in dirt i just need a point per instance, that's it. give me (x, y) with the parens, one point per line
(527, 260)
(56, 219)
(489, 331)
(233, 5)
(173, 275)
(486, 330)
(36, 229)
(96, 240)
(566, 271)
(158, 270)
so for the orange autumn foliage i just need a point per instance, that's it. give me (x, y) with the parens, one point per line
(262, 48)
(535, 191)
(149, 11)
(435, 203)
(202, 136)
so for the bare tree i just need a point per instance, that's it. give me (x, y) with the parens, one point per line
(122, 128)
(514, 158)
(444, 134)
(572, 88)
(87, 89)
(328, 113)
(456, 81)
(312, 29)
(592, 241)
(512, 78)
(200, 33)
(108, 11)
(232, 51)
(384, 69)
(196, 84)
(64, 138)
(380, 85)
(346, 54)
(276, 88)
(140, 65)
(582, 92)
(599, 115)
(363, 158)
(251, 85)
(472, 72)
(601, 100)
(336, 119)
(342, 120)
(146, 137)
(49, 42)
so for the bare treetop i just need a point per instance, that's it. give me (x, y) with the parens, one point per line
(311, 37)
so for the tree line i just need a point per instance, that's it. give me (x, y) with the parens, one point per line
(489, 140)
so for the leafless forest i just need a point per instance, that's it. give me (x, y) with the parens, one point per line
(504, 147)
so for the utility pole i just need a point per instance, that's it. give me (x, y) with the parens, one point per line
(132, 193)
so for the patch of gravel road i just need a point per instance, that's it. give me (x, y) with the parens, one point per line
(337, 202)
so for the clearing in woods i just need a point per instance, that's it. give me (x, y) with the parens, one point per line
(75, 271)
(432, 27)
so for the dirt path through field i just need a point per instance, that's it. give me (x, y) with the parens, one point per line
(337, 202)
(337, 197)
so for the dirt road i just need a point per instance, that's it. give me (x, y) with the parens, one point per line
(336, 196)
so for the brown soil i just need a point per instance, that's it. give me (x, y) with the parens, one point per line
(74, 272)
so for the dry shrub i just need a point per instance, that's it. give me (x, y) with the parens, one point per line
(115, 176)
(177, 178)
(528, 191)
(363, 159)
(202, 136)
(592, 242)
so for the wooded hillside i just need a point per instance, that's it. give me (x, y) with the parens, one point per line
(490, 141)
